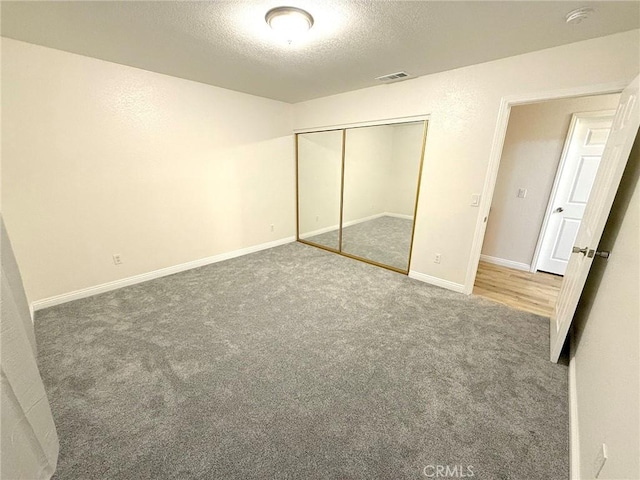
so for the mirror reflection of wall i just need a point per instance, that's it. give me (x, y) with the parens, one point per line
(378, 193)
(380, 180)
(319, 185)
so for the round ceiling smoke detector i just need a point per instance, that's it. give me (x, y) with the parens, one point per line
(578, 15)
(290, 23)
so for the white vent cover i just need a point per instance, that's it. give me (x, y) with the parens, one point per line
(393, 77)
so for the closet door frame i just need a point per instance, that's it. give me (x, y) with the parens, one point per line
(344, 128)
(305, 241)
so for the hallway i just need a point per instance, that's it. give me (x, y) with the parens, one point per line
(531, 292)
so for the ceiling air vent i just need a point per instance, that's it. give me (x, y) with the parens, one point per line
(393, 77)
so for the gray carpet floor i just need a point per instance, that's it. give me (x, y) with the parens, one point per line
(296, 363)
(386, 240)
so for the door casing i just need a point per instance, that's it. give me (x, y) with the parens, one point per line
(496, 153)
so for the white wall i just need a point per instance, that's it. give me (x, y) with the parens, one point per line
(530, 157)
(100, 158)
(29, 443)
(403, 168)
(464, 105)
(381, 174)
(607, 347)
(366, 159)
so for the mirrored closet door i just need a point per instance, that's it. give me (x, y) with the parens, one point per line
(320, 159)
(358, 188)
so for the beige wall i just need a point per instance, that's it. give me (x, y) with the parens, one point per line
(100, 158)
(607, 342)
(29, 443)
(381, 174)
(366, 159)
(403, 169)
(463, 105)
(530, 157)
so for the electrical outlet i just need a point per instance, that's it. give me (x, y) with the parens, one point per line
(475, 200)
(598, 462)
(522, 192)
(272, 227)
(117, 259)
(317, 218)
(437, 258)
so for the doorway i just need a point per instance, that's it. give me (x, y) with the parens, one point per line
(549, 158)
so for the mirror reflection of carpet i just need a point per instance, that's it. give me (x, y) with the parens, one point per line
(385, 240)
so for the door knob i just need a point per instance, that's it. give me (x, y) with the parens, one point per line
(580, 250)
(558, 210)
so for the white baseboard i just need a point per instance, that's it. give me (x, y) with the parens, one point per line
(506, 263)
(398, 215)
(362, 220)
(31, 312)
(438, 282)
(144, 277)
(574, 439)
(332, 228)
(345, 225)
(320, 231)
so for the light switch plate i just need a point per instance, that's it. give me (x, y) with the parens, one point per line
(522, 192)
(475, 200)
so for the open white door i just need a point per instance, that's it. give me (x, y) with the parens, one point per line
(579, 164)
(614, 159)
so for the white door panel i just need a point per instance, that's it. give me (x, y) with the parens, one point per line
(586, 174)
(607, 179)
(564, 240)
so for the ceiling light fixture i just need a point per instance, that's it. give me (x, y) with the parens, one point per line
(290, 23)
(578, 15)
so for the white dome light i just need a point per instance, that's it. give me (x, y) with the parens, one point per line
(289, 23)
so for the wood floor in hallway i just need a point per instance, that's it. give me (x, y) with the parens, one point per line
(532, 292)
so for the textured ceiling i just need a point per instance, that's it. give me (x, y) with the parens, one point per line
(228, 44)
